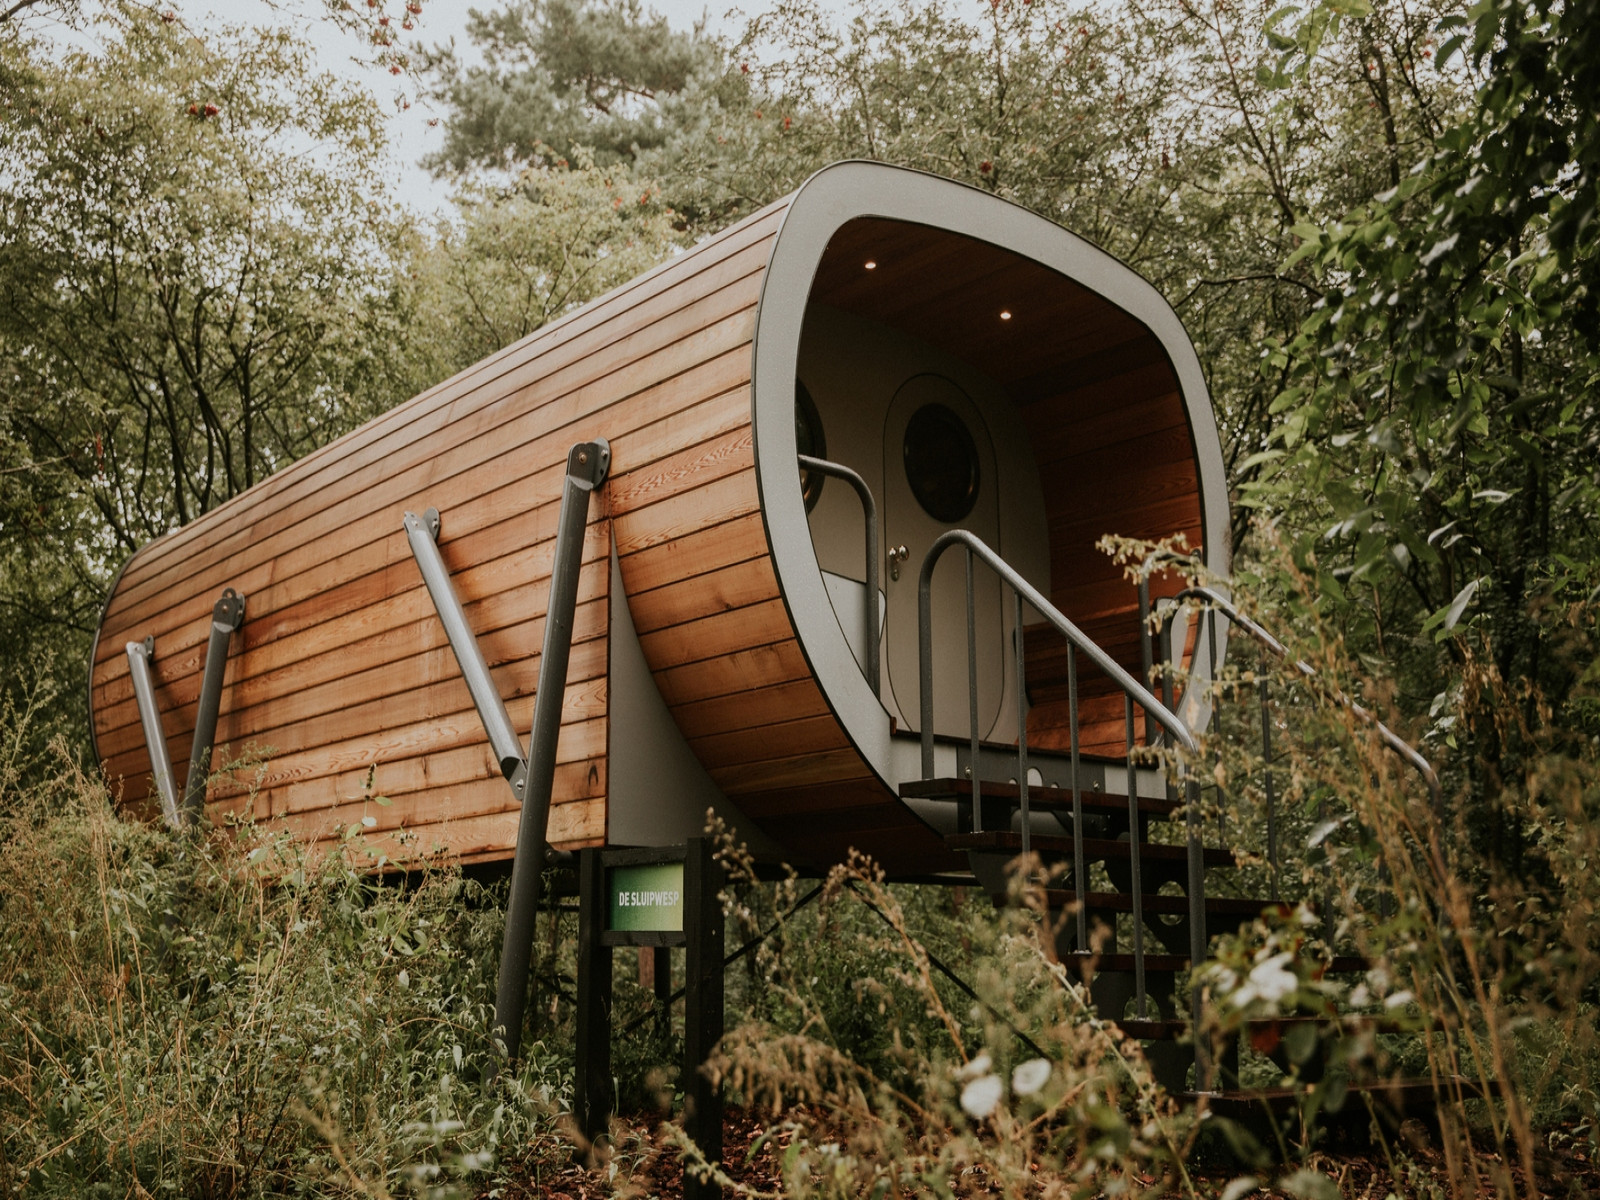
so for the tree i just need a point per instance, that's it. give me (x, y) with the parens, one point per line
(1168, 133)
(1437, 457)
(197, 289)
(513, 259)
(560, 75)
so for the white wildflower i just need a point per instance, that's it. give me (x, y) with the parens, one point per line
(1268, 981)
(1030, 1076)
(978, 1066)
(978, 1098)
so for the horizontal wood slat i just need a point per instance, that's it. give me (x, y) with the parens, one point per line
(341, 665)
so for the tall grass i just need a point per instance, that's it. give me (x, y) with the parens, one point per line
(226, 1017)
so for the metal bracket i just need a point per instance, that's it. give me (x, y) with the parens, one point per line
(227, 615)
(140, 655)
(423, 534)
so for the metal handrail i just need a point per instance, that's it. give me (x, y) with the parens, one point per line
(869, 608)
(1133, 692)
(1130, 686)
(1388, 736)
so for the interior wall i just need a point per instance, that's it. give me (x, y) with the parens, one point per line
(853, 367)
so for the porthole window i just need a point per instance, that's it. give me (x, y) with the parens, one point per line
(809, 440)
(941, 463)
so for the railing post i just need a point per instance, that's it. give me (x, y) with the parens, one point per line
(1266, 772)
(588, 464)
(226, 617)
(1136, 879)
(1146, 651)
(1078, 867)
(1022, 726)
(972, 700)
(1197, 931)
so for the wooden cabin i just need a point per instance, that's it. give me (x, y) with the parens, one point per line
(978, 366)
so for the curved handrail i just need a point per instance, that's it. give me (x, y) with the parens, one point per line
(869, 606)
(1130, 686)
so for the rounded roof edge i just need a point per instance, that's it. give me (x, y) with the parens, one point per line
(852, 189)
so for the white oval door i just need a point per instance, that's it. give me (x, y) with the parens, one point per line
(939, 474)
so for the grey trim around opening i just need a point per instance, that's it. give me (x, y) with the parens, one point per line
(825, 202)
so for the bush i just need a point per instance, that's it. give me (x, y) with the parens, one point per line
(232, 1016)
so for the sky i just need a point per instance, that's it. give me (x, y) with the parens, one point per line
(411, 135)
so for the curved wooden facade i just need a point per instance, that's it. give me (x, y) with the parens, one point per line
(341, 684)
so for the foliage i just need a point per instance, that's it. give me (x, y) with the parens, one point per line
(513, 259)
(1437, 455)
(953, 1098)
(228, 1017)
(601, 75)
(198, 289)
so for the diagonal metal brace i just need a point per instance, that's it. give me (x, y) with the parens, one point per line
(140, 655)
(423, 535)
(226, 617)
(588, 464)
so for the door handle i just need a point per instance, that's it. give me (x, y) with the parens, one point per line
(897, 555)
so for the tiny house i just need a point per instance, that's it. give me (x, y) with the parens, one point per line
(972, 365)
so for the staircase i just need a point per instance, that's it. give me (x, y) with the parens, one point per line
(1139, 888)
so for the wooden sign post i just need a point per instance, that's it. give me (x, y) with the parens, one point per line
(661, 898)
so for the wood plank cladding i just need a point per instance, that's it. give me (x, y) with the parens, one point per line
(341, 687)
(346, 702)
(1100, 403)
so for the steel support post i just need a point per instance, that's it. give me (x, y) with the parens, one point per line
(587, 466)
(144, 693)
(226, 617)
(593, 1101)
(703, 1008)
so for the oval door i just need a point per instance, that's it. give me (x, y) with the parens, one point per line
(939, 474)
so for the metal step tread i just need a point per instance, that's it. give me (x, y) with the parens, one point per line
(1222, 906)
(1040, 796)
(1398, 1093)
(1094, 849)
(1339, 964)
(1158, 1030)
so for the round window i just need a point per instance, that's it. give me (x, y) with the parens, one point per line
(809, 440)
(941, 463)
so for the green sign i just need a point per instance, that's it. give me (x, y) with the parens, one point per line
(647, 898)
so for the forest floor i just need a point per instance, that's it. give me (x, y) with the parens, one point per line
(647, 1166)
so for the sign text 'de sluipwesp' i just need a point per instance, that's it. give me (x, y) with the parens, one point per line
(647, 897)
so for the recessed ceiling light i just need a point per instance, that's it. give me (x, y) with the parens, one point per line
(1005, 314)
(871, 266)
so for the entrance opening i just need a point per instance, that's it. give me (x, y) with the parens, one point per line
(974, 387)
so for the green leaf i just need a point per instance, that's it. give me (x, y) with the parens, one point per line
(1458, 606)
(1300, 1040)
